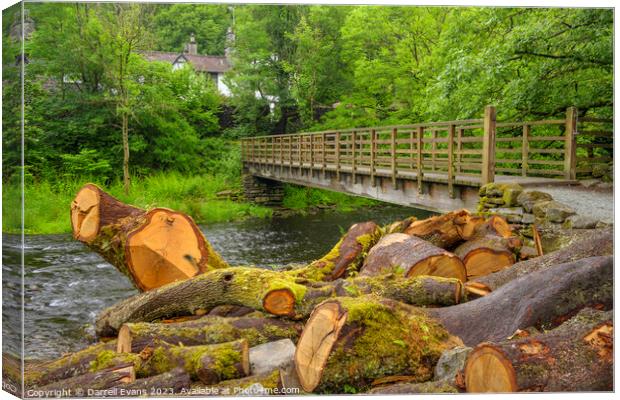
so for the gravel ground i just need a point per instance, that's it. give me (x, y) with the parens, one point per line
(598, 204)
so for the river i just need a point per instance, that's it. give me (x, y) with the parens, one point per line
(67, 285)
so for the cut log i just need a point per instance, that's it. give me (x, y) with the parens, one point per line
(598, 242)
(273, 292)
(93, 209)
(270, 356)
(415, 388)
(346, 256)
(354, 341)
(542, 299)
(446, 230)
(207, 363)
(100, 380)
(255, 385)
(486, 254)
(166, 384)
(411, 256)
(152, 248)
(575, 357)
(495, 225)
(134, 337)
(71, 365)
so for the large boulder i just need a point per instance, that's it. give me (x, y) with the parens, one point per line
(553, 211)
(266, 357)
(531, 197)
(450, 363)
(580, 222)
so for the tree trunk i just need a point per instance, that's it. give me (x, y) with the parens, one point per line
(347, 255)
(253, 385)
(134, 337)
(207, 363)
(542, 299)
(74, 364)
(152, 247)
(125, 129)
(597, 242)
(577, 356)
(353, 341)
(415, 388)
(166, 384)
(93, 209)
(411, 256)
(277, 293)
(483, 255)
(99, 380)
(446, 230)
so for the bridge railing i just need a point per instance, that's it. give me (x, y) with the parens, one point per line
(462, 151)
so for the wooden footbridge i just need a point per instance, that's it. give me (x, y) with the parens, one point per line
(436, 166)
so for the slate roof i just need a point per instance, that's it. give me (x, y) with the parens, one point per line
(200, 62)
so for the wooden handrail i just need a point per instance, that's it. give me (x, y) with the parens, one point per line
(453, 149)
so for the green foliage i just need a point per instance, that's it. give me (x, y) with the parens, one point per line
(87, 163)
(302, 198)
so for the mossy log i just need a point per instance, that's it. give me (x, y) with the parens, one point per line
(411, 256)
(152, 247)
(415, 388)
(346, 256)
(100, 380)
(575, 357)
(597, 242)
(485, 254)
(71, 365)
(166, 384)
(207, 363)
(446, 230)
(254, 385)
(542, 299)
(494, 225)
(134, 337)
(273, 292)
(353, 341)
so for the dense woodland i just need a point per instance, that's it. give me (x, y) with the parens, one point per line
(325, 66)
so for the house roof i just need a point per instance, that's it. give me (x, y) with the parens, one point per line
(200, 62)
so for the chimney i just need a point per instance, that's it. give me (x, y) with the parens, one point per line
(192, 46)
(230, 42)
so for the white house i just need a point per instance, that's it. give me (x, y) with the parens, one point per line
(215, 66)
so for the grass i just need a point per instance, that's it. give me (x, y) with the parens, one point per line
(301, 198)
(47, 204)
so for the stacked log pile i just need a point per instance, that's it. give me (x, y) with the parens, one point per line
(445, 304)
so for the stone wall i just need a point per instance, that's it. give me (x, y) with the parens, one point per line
(522, 208)
(265, 192)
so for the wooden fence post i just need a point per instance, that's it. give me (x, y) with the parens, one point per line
(525, 149)
(373, 150)
(393, 156)
(451, 130)
(488, 146)
(338, 156)
(420, 165)
(570, 153)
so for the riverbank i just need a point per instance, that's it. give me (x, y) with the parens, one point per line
(47, 204)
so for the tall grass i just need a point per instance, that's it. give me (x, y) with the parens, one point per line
(47, 204)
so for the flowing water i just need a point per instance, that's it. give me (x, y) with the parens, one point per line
(67, 285)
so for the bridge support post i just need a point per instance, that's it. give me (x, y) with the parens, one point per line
(265, 192)
(570, 145)
(488, 146)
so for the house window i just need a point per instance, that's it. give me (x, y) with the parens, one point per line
(213, 76)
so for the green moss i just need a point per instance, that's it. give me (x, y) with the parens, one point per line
(109, 358)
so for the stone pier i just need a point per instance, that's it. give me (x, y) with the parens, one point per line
(262, 191)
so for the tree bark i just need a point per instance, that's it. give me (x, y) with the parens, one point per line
(542, 299)
(152, 247)
(446, 230)
(273, 292)
(99, 380)
(74, 364)
(597, 242)
(253, 385)
(346, 256)
(166, 384)
(411, 256)
(576, 356)
(207, 363)
(134, 337)
(353, 341)
(415, 388)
